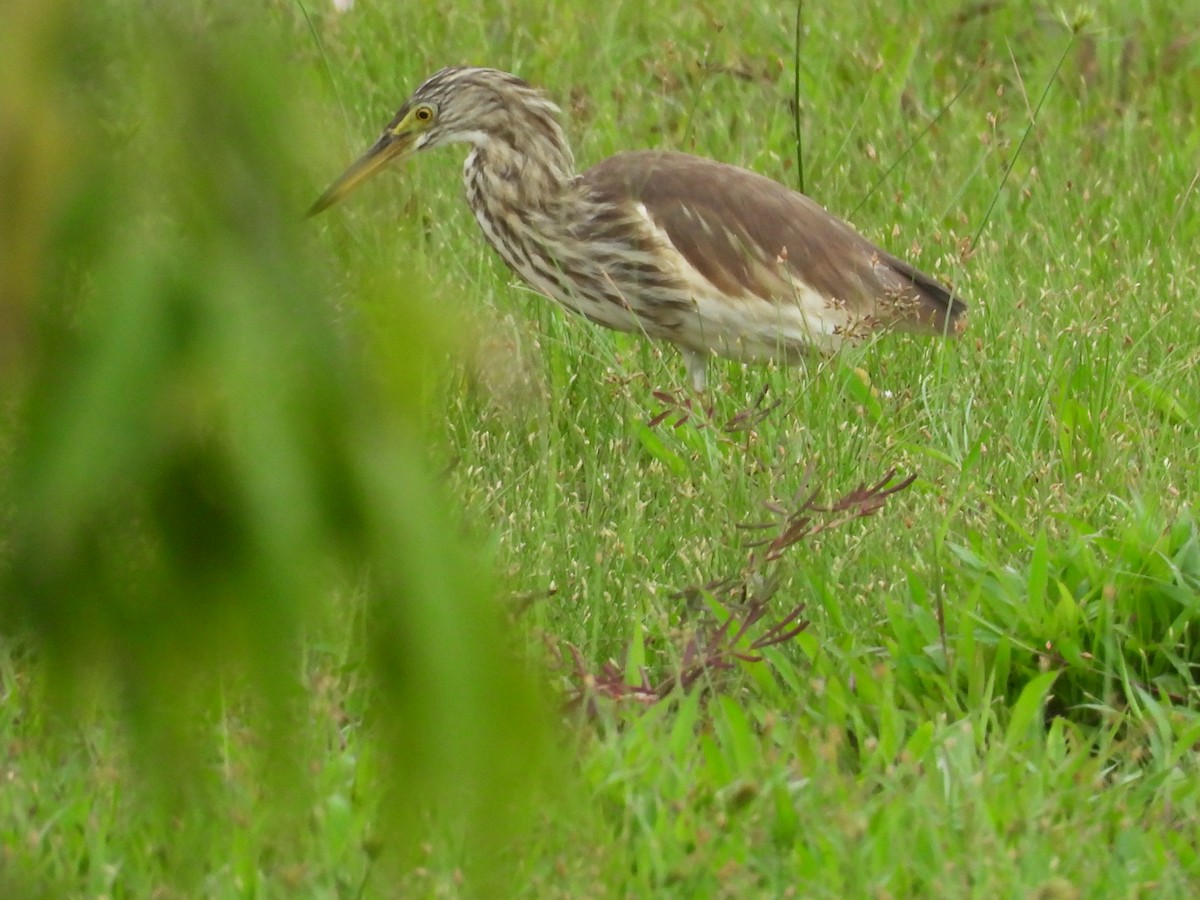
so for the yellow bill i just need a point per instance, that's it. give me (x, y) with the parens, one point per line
(390, 146)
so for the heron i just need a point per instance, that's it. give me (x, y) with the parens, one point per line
(707, 256)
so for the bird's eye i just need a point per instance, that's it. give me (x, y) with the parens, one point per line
(424, 113)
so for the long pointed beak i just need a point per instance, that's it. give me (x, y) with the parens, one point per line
(390, 146)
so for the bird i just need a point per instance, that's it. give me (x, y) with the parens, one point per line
(710, 257)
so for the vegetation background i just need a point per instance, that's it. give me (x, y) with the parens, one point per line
(335, 564)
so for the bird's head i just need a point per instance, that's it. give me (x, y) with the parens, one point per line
(460, 104)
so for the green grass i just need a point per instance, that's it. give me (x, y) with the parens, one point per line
(995, 694)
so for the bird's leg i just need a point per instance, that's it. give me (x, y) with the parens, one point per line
(697, 366)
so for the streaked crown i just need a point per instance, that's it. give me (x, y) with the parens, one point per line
(477, 105)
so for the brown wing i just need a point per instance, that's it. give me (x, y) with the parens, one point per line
(733, 226)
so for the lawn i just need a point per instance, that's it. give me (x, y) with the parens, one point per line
(336, 563)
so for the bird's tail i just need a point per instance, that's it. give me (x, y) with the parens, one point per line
(939, 309)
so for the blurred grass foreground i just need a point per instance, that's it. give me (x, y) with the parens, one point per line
(210, 507)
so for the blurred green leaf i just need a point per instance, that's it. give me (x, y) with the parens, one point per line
(1162, 400)
(206, 479)
(653, 444)
(1028, 707)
